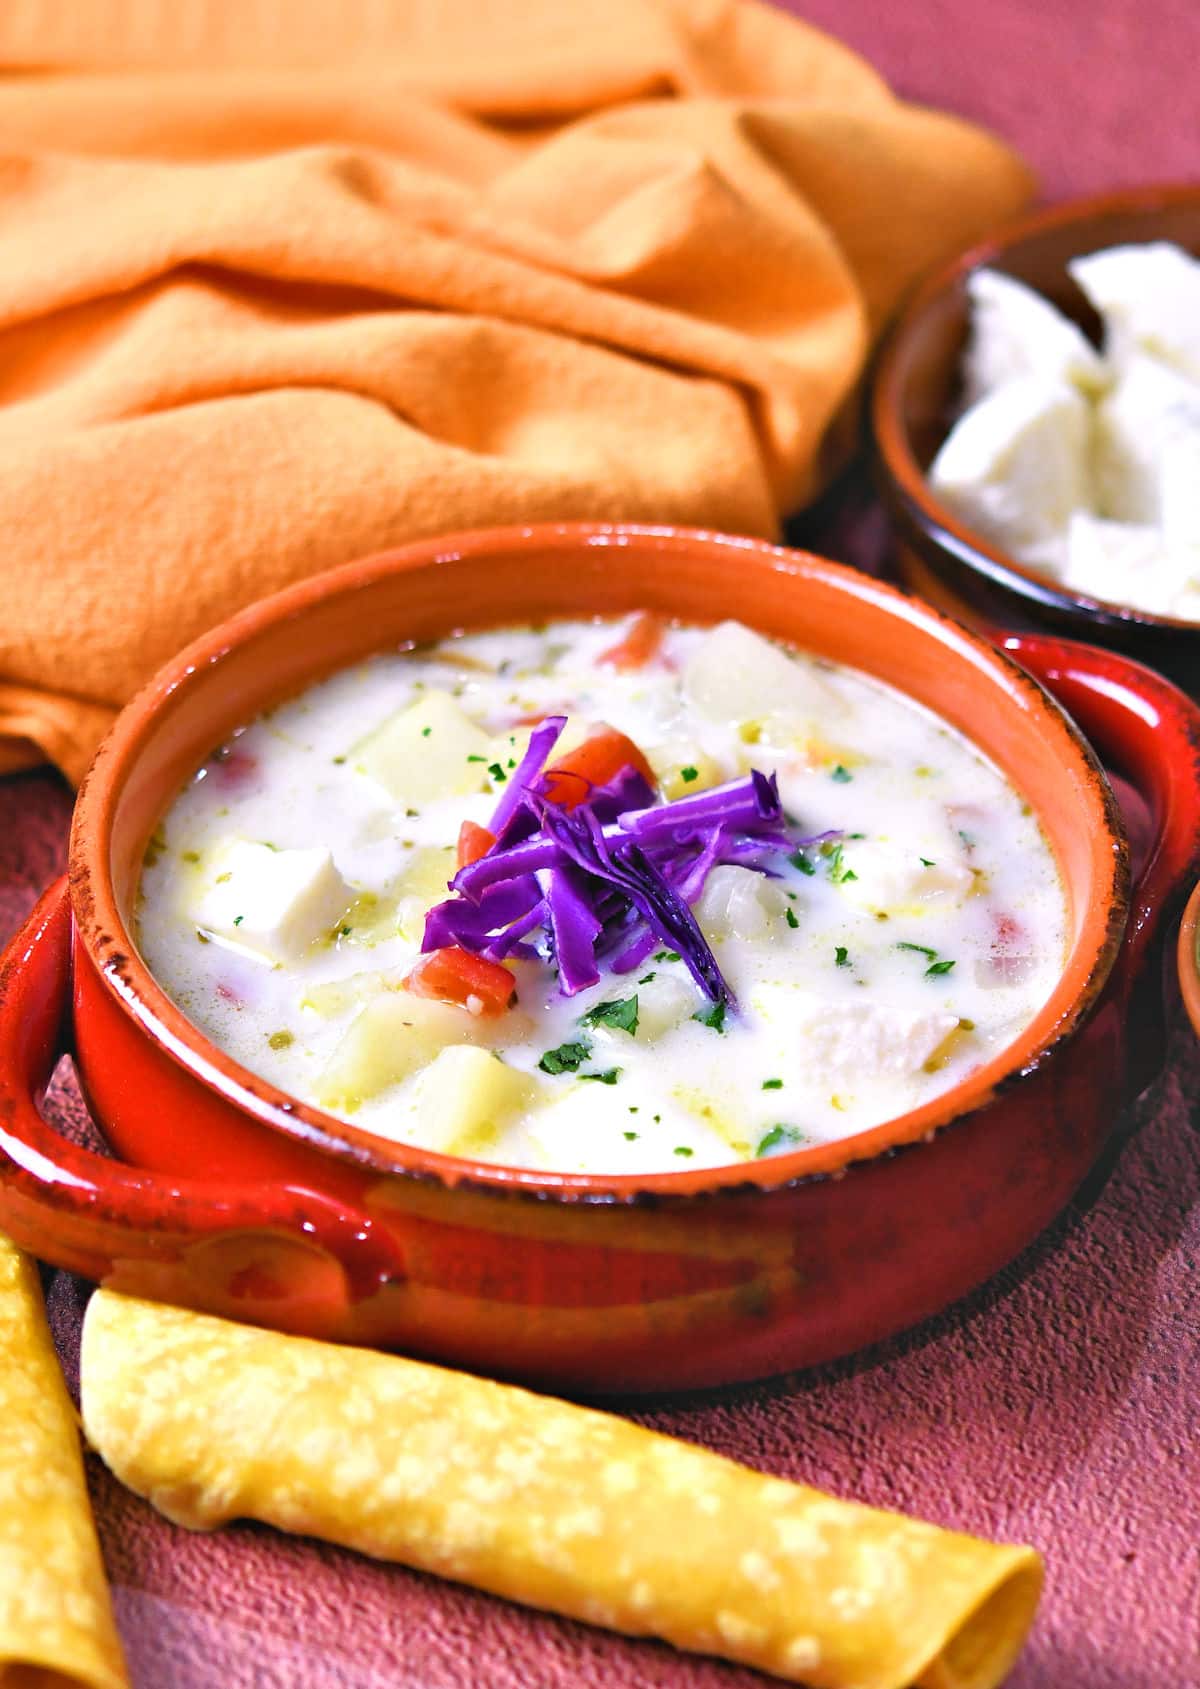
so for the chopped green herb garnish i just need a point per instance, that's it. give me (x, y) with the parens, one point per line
(191, 856)
(838, 872)
(772, 1084)
(658, 1119)
(608, 1077)
(633, 1108)
(789, 916)
(921, 949)
(476, 759)
(777, 1135)
(629, 1136)
(566, 1058)
(683, 1149)
(936, 968)
(689, 773)
(842, 956)
(967, 839)
(497, 773)
(841, 774)
(280, 1040)
(666, 955)
(925, 862)
(713, 1015)
(800, 861)
(339, 761)
(644, 979)
(620, 1012)
(425, 732)
(238, 919)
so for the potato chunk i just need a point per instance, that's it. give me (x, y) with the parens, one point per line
(738, 903)
(735, 676)
(394, 1035)
(466, 1097)
(430, 750)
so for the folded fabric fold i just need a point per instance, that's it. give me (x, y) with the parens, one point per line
(278, 294)
(554, 1505)
(56, 1622)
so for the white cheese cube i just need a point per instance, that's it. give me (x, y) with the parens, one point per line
(853, 1042)
(1152, 412)
(737, 677)
(894, 879)
(465, 1098)
(738, 903)
(1015, 333)
(430, 750)
(272, 903)
(1015, 466)
(1149, 298)
(1129, 563)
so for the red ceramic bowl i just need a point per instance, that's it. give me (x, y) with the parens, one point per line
(916, 387)
(235, 1198)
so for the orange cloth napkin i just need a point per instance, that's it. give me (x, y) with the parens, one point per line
(289, 281)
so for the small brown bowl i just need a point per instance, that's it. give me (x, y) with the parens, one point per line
(914, 391)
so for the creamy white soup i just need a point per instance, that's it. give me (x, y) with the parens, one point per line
(604, 897)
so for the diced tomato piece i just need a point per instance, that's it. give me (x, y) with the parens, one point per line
(472, 982)
(641, 642)
(473, 842)
(570, 780)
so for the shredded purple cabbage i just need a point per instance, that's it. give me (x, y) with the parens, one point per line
(609, 881)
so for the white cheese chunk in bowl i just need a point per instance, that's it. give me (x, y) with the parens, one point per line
(1151, 411)
(1016, 465)
(1017, 333)
(1149, 298)
(274, 904)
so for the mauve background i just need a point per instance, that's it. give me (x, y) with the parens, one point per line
(1057, 1406)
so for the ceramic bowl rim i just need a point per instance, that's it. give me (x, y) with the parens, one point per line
(126, 977)
(905, 481)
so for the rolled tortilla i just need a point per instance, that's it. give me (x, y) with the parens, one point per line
(56, 1622)
(558, 1506)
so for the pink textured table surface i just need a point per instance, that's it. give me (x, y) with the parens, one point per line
(1057, 1406)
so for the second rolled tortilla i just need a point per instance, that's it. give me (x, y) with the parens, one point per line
(56, 1622)
(558, 1506)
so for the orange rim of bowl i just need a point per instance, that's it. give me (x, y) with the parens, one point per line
(1188, 959)
(113, 949)
(892, 449)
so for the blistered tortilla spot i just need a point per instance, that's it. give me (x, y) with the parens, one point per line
(757, 1569)
(739, 1631)
(801, 1537)
(802, 1654)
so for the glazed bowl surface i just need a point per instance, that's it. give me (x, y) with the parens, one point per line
(231, 1196)
(916, 389)
(1187, 959)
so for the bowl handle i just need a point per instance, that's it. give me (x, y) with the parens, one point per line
(1149, 732)
(265, 1253)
